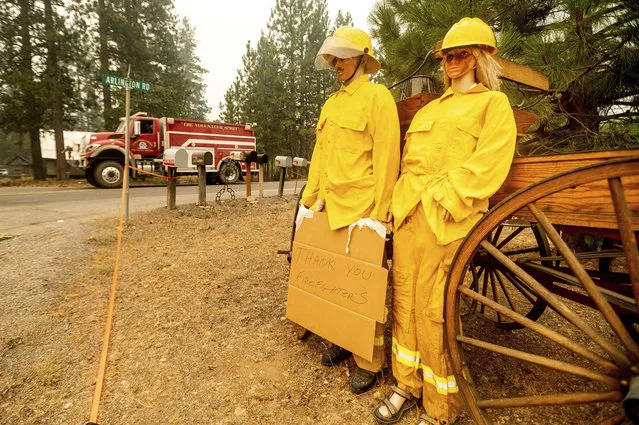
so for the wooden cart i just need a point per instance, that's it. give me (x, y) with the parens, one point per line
(514, 265)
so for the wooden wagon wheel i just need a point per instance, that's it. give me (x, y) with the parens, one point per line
(603, 359)
(489, 278)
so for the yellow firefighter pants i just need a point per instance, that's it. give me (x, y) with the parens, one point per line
(378, 352)
(420, 361)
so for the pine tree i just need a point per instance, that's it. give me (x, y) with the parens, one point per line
(20, 85)
(53, 78)
(159, 47)
(278, 87)
(54, 53)
(587, 48)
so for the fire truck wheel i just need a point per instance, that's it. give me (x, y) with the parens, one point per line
(89, 176)
(109, 174)
(229, 173)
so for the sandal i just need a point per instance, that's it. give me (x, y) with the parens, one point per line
(424, 419)
(395, 414)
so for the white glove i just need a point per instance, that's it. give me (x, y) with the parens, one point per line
(302, 213)
(319, 205)
(373, 224)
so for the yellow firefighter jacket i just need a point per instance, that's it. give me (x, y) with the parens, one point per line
(355, 162)
(458, 153)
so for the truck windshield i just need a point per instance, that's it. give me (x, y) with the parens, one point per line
(120, 128)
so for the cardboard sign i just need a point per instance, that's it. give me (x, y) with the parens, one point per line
(336, 295)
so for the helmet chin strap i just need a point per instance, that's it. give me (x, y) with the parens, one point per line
(359, 63)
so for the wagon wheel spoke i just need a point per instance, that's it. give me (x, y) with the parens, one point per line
(520, 285)
(495, 237)
(600, 301)
(550, 400)
(510, 237)
(506, 292)
(558, 305)
(495, 293)
(523, 251)
(471, 304)
(485, 273)
(484, 291)
(541, 360)
(617, 419)
(627, 235)
(545, 331)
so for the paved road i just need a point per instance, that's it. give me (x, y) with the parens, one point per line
(22, 208)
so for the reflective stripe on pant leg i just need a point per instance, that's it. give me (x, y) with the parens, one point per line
(404, 360)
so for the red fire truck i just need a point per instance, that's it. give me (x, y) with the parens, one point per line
(103, 158)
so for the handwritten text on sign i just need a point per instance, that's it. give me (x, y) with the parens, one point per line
(347, 282)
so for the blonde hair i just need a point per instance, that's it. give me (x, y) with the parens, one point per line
(487, 70)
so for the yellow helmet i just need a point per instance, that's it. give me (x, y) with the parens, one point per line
(347, 42)
(469, 32)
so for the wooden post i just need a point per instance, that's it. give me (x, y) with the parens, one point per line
(282, 177)
(261, 180)
(201, 183)
(127, 149)
(171, 189)
(248, 179)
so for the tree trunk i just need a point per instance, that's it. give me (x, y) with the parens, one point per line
(54, 91)
(33, 116)
(107, 112)
(582, 114)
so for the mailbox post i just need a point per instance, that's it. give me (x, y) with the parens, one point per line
(174, 159)
(262, 159)
(300, 163)
(202, 159)
(283, 162)
(247, 158)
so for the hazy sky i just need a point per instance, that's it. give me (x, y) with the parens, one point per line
(222, 29)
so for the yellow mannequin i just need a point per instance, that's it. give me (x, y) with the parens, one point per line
(355, 161)
(458, 153)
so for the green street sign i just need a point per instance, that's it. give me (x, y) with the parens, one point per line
(112, 80)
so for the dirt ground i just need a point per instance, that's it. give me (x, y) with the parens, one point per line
(199, 333)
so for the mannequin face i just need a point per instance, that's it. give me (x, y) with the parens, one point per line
(459, 62)
(344, 68)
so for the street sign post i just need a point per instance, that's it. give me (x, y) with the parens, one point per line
(127, 84)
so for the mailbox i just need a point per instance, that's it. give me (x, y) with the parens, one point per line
(176, 157)
(262, 158)
(244, 156)
(283, 161)
(250, 156)
(202, 158)
(300, 162)
(237, 155)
